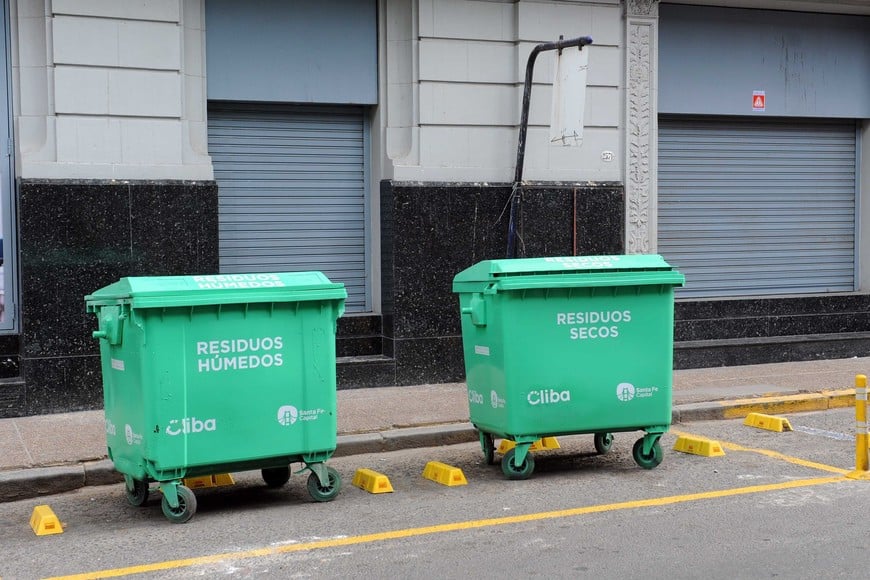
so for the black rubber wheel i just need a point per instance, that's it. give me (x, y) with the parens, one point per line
(186, 506)
(647, 461)
(139, 495)
(512, 471)
(488, 449)
(276, 476)
(603, 442)
(324, 493)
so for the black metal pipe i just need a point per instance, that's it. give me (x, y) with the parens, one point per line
(516, 192)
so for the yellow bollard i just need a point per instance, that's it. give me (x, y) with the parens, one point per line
(862, 457)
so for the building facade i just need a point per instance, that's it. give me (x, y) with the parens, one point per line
(376, 141)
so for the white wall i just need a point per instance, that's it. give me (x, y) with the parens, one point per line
(110, 90)
(454, 96)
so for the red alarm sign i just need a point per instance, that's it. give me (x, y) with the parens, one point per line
(758, 101)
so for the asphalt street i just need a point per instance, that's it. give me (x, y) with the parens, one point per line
(775, 505)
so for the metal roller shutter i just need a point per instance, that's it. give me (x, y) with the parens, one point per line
(752, 207)
(292, 191)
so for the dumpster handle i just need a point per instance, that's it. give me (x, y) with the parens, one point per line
(476, 309)
(112, 325)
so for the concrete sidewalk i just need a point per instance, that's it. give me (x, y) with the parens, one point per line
(54, 453)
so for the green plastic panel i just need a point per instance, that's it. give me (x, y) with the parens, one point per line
(567, 271)
(570, 349)
(191, 387)
(218, 289)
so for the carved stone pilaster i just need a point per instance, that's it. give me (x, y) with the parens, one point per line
(642, 8)
(641, 20)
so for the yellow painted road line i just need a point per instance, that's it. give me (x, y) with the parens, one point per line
(775, 455)
(443, 528)
(789, 458)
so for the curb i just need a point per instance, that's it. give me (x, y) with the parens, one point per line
(39, 481)
(739, 408)
(409, 438)
(35, 482)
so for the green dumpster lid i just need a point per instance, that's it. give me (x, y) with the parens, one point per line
(168, 291)
(635, 268)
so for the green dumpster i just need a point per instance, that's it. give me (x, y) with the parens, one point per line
(568, 345)
(205, 375)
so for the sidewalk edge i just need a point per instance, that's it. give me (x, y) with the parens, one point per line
(738, 408)
(38, 481)
(34, 482)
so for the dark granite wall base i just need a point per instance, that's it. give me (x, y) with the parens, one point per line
(432, 231)
(358, 335)
(11, 398)
(78, 236)
(61, 384)
(429, 360)
(362, 374)
(761, 317)
(750, 351)
(10, 356)
(710, 333)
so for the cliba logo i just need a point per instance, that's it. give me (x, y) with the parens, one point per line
(190, 425)
(548, 397)
(475, 397)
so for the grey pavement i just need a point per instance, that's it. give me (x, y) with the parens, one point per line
(48, 454)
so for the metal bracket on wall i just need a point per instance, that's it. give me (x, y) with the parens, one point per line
(517, 191)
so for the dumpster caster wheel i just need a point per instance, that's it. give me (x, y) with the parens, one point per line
(276, 476)
(186, 506)
(603, 442)
(647, 461)
(327, 492)
(512, 471)
(488, 448)
(139, 495)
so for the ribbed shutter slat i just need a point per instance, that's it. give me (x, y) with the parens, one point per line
(292, 183)
(756, 207)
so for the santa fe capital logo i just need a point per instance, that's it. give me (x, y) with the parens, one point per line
(287, 415)
(625, 391)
